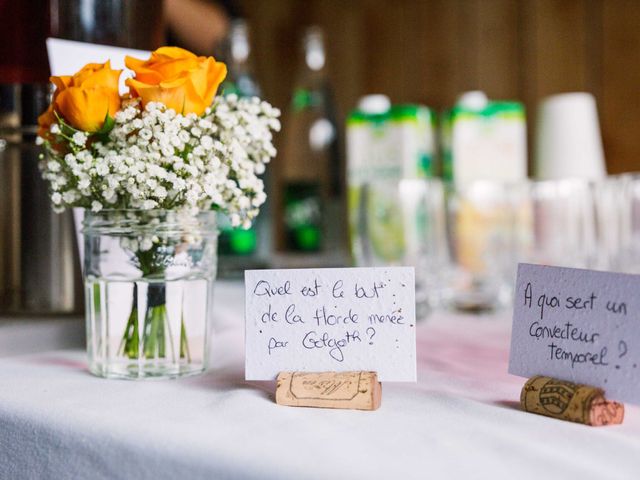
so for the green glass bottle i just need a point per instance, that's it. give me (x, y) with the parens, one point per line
(239, 248)
(312, 178)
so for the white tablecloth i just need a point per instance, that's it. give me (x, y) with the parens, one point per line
(459, 421)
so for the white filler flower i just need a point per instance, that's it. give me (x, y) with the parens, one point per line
(154, 158)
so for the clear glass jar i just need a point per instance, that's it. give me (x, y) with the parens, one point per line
(148, 279)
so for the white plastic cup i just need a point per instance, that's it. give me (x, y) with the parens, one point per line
(568, 140)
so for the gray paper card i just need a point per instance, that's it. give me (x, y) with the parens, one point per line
(578, 325)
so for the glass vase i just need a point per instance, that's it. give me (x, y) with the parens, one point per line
(148, 279)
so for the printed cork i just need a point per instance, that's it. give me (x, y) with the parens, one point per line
(349, 390)
(570, 401)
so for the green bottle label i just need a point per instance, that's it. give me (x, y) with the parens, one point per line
(303, 99)
(236, 241)
(229, 87)
(303, 217)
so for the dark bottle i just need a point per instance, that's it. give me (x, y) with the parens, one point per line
(311, 172)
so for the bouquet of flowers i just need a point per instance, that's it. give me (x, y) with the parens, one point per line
(169, 143)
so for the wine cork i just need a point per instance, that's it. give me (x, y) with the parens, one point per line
(569, 401)
(350, 390)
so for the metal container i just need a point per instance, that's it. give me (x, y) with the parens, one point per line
(122, 23)
(39, 266)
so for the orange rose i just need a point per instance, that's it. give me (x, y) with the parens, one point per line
(84, 100)
(177, 78)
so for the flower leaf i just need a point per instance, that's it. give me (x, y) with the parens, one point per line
(107, 126)
(65, 128)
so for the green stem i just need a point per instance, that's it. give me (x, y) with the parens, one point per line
(130, 339)
(156, 321)
(184, 343)
(156, 330)
(161, 320)
(96, 299)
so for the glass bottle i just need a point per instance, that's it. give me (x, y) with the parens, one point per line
(240, 77)
(238, 248)
(311, 171)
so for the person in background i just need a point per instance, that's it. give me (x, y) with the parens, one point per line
(198, 25)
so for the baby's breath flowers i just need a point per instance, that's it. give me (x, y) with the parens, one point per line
(155, 158)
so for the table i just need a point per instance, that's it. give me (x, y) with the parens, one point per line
(460, 420)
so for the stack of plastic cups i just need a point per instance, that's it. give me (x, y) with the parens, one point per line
(569, 149)
(568, 141)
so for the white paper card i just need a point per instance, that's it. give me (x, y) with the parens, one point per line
(578, 325)
(66, 57)
(331, 319)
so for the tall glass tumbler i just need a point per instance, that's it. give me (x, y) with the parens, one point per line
(488, 225)
(623, 195)
(404, 223)
(615, 221)
(563, 228)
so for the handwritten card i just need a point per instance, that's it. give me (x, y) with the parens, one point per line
(331, 319)
(578, 325)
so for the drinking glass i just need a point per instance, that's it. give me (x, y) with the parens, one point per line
(148, 291)
(488, 226)
(403, 222)
(563, 225)
(619, 204)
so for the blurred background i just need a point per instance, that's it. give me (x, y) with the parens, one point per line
(418, 51)
(316, 60)
(428, 51)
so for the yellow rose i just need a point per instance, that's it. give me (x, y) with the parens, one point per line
(177, 78)
(85, 99)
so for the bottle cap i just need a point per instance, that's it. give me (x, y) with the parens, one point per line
(314, 48)
(374, 104)
(473, 100)
(239, 40)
